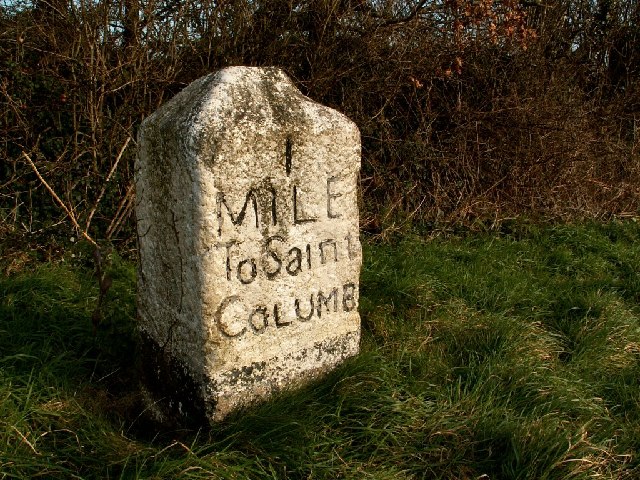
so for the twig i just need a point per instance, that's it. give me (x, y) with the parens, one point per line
(415, 12)
(60, 202)
(106, 182)
(123, 210)
(24, 439)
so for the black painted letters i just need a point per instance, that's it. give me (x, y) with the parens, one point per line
(257, 319)
(330, 197)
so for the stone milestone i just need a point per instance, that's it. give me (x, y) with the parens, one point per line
(249, 243)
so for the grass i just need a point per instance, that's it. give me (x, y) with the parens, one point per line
(503, 356)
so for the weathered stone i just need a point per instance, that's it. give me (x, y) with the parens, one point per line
(249, 248)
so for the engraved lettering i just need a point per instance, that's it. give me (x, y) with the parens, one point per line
(241, 272)
(288, 156)
(228, 246)
(302, 318)
(277, 257)
(224, 328)
(273, 255)
(348, 297)
(239, 218)
(276, 317)
(330, 197)
(295, 264)
(350, 251)
(323, 244)
(297, 220)
(263, 321)
(325, 300)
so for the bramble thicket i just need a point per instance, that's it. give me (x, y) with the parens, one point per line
(471, 112)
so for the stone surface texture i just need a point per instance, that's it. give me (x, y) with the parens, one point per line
(249, 243)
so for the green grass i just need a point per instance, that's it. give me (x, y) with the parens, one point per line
(504, 356)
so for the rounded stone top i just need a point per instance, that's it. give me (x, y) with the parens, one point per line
(248, 106)
(233, 96)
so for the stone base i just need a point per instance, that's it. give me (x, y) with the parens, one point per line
(172, 395)
(175, 397)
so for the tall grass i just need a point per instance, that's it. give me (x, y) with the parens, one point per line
(514, 355)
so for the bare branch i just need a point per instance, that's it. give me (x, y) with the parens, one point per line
(59, 201)
(106, 182)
